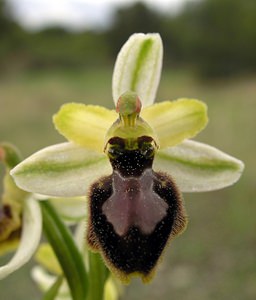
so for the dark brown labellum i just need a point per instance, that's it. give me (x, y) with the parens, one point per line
(134, 212)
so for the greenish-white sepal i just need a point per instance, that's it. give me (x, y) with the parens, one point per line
(62, 170)
(44, 280)
(138, 67)
(197, 167)
(71, 209)
(30, 237)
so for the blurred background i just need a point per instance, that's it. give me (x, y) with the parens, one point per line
(53, 52)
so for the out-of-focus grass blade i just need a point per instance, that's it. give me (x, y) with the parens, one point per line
(66, 251)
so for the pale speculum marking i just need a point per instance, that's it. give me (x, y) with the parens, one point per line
(134, 203)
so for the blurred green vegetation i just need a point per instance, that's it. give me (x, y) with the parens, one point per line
(214, 37)
(215, 257)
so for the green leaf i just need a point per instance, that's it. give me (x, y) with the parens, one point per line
(197, 167)
(174, 121)
(138, 67)
(85, 125)
(66, 252)
(62, 170)
(54, 289)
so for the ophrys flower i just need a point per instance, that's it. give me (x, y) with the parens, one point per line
(134, 206)
(20, 217)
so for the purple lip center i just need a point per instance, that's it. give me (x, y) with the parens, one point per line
(134, 203)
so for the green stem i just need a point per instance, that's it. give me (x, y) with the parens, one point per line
(98, 276)
(66, 251)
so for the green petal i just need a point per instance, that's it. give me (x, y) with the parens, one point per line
(138, 67)
(174, 121)
(85, 125)
(63, 170)
(197, 167)
(30, 237)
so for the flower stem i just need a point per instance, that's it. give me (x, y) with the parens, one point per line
(66, 251)
(98, 276)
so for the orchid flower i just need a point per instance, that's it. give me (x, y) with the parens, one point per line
(132, 163)
(20, 217)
